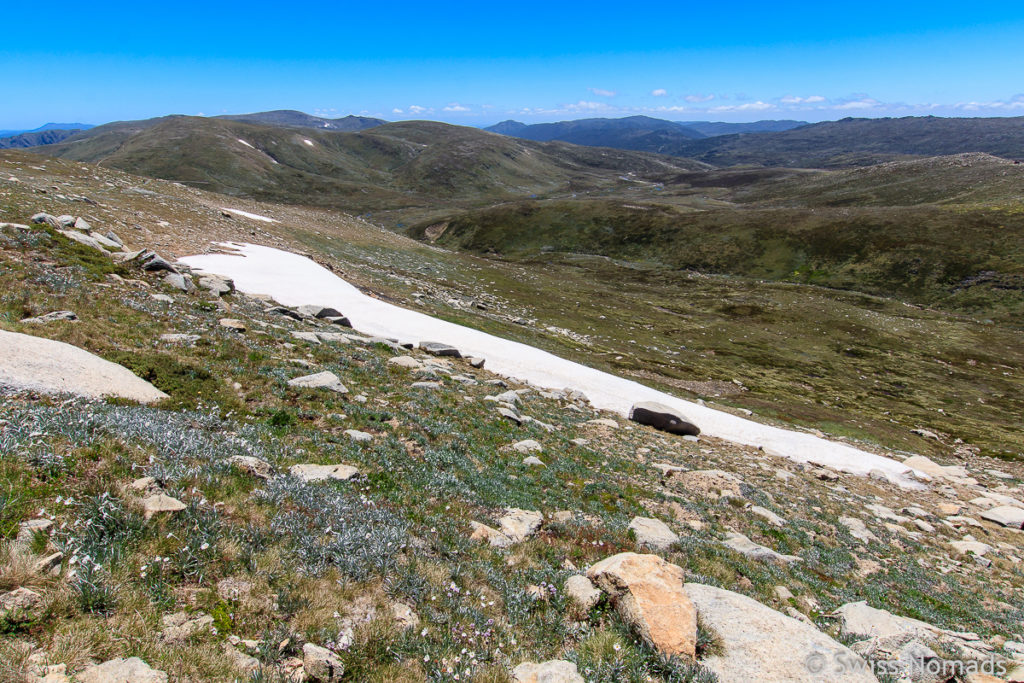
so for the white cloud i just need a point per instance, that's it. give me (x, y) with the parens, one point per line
(814, 99)
(699, 98)
(793, 99)
(396, 110)
(861, 103)
(659, 92)
(603, 93)
(748, 106)
(417, 109)
(455, 106)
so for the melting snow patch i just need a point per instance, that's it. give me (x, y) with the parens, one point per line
(246, 143)
(254, 216)
(295, 280)
(308, 142)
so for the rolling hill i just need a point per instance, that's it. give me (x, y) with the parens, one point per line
(290, 118)
(860, 142)
(418, 164)
(46, 137)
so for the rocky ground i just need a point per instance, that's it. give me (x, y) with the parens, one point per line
(307, 503)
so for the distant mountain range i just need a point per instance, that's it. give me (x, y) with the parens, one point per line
(289, 118)
(34, 139)
(46, 127)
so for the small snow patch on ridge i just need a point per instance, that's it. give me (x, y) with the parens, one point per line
(246, 143)
(254, 216)
(308, 142)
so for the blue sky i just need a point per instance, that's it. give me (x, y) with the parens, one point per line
(482, 63)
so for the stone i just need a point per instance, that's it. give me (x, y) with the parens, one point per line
(476, 362)
(30, 363)
(232, 324)
(582, 592)
(340, 321)
(761, 644)
(320, 664)
(66, 220)
(948, 509)
(662, 417)
(756, 551)
(527, 446)
(241, 661)
(51, 317)
(105, 241)
(28, 530)
(162, 298)
(652, 533)
(82, 239)
(533, 461)
(252, 465)
(407, 362)
(179, 627)
(426, 385)
(519, 524)
(862, 620)
(152, 262)
(933, 469)
(232, 588)
(767, 514)
(404, 616)
(440, 349)
(130, 670)
(510, 414)
(47, 219)
(971, 547)
(216, 285)
(551, 671)
(319, 311)
(48, 564)
(176, 338)
(1006, 515)
(510, 397)
(358, 436)
(604, 422)
(709, 483)
(179, 281)
(320, 380)
(310, 472)
(17, 605)
(111, 235)
(311, 337)
(648, 593)
(858, 529)
(160, 504)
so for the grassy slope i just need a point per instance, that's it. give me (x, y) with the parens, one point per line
(313, 553)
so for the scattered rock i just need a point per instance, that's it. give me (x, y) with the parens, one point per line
(515, 526)
(245, 663)
(51, 317)
(527, 446)
(179, 627)
(47, 219)
(426, 385)
(407, 362)
(533, 461)
(162, 298)
(476, 362)
(510, 414)
(252, 465)
(761, 644)
(311, 472)
(933, 469)
(216, 285)
(440, 349)
(130, 670)
(18, 604)
(83, 239)
(604, 422)
(53, 367)
(767, 514)
(319, 380)
(179, 281)
(320, 664)
(652, 533)
(709, 483)
(648, 593)
(160, 504)
(358, 436)
(582, 592)
(232, 324)
(662, 417)
(49, 564)
(232, 588)
(551, 671)
(175, 338)
(858, 529)
(404, 616)
(1007, 515)
(756, 551)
